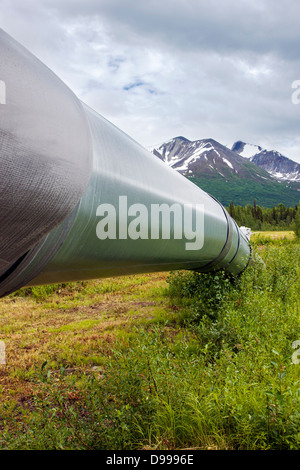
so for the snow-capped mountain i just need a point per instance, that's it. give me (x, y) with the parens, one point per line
(240, 174)
(273, 162)
(246, 150)
(206, 157)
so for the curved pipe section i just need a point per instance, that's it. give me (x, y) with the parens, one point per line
(45, 148)
(134, 215)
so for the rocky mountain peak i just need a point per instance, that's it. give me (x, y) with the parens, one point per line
(276, 164)
(242, 173)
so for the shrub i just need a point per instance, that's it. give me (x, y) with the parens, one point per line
(223, 378)
(204, 292)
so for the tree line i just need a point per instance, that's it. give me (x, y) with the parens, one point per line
(256, 217)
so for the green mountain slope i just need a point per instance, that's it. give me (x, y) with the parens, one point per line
(225, 174)
(243, 191)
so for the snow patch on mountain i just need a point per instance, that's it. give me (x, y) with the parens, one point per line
(246, 150)
(208, 157)
(276, 164)
(228, 163)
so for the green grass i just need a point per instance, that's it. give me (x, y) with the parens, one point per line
(164, 361)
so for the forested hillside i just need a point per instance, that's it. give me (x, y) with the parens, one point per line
(256, 217)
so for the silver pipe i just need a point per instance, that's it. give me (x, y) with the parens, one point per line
(94, 203)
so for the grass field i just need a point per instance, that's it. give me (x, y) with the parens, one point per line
(156, 361)
(72, 325)
(289, 235)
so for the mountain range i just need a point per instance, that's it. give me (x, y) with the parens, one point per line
(272, 161)
(240, 174)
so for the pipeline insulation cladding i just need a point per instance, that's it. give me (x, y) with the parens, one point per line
(79, 199)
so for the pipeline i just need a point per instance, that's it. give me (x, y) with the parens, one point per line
(80, 199)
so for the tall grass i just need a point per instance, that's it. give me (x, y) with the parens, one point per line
(218, 373)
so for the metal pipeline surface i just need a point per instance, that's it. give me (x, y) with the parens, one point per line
(79, 199)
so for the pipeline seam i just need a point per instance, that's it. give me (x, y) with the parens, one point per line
(226, 246)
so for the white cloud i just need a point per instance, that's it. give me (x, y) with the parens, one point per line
(178, 67)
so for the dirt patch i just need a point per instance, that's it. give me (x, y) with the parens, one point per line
(110, 306)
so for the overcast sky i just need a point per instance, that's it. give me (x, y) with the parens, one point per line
(161, 68)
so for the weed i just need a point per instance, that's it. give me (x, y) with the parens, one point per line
(206, 363)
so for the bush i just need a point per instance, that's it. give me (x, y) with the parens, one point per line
(204, 292)
(223, 378)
